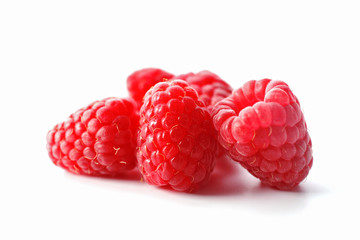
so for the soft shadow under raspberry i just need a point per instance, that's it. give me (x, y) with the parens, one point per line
(225, 180)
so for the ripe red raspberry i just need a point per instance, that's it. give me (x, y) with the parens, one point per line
(97, 140)
(177, 140)
(142, 80)
(263, 127)
(210, 87)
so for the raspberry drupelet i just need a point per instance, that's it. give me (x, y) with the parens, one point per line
(263, 128)
(98, 140)
(177, 141)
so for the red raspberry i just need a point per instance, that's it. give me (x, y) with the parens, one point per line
(210, 87)
(97, 140)
(263, 127)
(176, 141)
(142, 80)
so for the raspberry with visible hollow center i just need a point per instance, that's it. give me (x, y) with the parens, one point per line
(263, 128)
(177, 141)
(97, 140)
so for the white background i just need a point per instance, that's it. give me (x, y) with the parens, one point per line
(58, 56)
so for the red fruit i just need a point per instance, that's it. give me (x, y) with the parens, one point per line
(210, 87)
(142, 80)
(263, 128)
(177, 141)
(98, 140)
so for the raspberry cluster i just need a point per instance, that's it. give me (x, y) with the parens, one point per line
(177, 128)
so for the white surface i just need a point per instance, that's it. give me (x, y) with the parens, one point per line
(56, 57)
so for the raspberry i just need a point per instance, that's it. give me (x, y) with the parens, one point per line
(177, 141)
(142, 80)
(210, 87)
(263, 128)
(97, 140)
